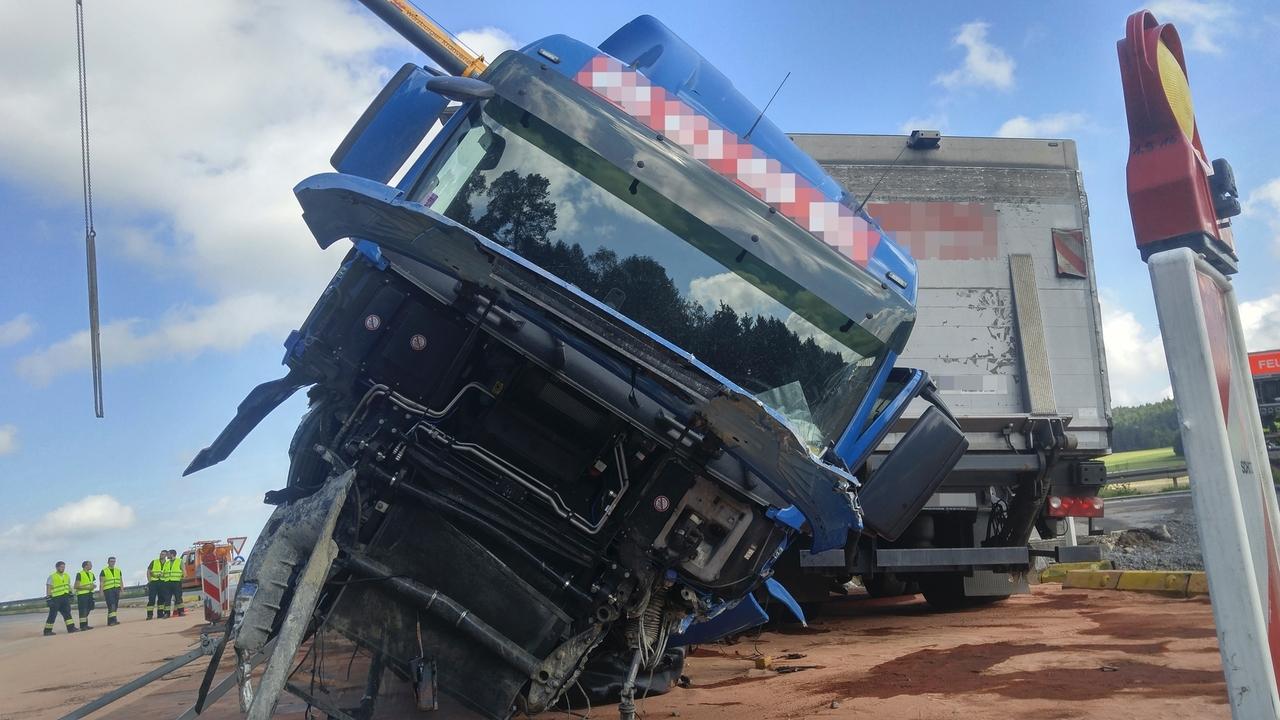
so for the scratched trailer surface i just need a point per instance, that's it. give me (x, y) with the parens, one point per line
(1008, 324)
(964, 209)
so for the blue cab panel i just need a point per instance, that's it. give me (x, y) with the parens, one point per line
(391, 128)
(667, 61)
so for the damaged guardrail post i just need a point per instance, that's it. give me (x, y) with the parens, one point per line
(1181, 206)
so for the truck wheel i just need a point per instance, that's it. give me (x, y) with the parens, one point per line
(882, 585)
(945, 591)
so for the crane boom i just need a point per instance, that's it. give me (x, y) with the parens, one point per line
(418, 28)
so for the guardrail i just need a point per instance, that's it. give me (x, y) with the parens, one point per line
(128, 592)
(1160, 473)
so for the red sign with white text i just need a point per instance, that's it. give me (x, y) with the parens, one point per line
(1266, 362)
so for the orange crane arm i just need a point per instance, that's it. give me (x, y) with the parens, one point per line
(418, 28)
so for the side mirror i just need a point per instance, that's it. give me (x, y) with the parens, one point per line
(1222, 183)
(912, 472)
(392, 127)
(460, 89)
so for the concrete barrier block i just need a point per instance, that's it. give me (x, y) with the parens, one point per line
(1197, 584)
(1092, 579)
(1154, 581)
(1057, 572)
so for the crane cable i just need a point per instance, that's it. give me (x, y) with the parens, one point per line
(90, 236)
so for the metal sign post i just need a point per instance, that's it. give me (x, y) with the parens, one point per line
(1181, 205)
(1231, 490)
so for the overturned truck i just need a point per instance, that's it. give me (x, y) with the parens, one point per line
(608, 345)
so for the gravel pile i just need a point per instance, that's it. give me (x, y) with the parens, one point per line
(1174, 545)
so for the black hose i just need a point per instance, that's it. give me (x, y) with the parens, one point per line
(443, 505)
(447, 609)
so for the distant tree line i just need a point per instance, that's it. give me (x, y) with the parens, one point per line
(1143, 427)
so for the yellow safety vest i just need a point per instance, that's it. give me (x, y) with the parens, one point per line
(60, 583)
(156, 570)
(173, 570)
(111, 578)
(85, 578)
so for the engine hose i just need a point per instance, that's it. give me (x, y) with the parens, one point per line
(448, 610)
(442, 505)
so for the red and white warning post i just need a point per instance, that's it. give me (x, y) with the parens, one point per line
(1181, 206)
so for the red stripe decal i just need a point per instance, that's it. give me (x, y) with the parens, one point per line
(1068, 246)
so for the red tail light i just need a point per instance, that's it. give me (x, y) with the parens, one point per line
(1066, 506)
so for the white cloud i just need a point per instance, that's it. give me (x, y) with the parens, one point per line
(488, 41)
(8, 439)
(985, 65)
(1260, 320)
(1263, 204)
(84, 517)
(16, 330)
(1055, 125)
(213, 145)
(196, 159)
(1135, 358)
(732, 290)
(1135, 354)
(235, 506)
(225, 326)
(1199, 23)
(744, 297)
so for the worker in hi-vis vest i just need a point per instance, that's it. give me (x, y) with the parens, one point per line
(175, 584)
(84, 585)
(110, 582)
(155, 585)
(57, 595)
(166, 587)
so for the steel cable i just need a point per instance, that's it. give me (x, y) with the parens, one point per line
(90, 235)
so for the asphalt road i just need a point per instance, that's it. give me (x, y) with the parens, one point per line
(1140, 511)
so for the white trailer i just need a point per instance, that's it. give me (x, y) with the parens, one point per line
(1010, 331)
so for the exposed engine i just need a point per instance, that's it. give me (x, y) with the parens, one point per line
(491, 501)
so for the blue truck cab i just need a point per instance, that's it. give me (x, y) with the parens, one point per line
(606, 348)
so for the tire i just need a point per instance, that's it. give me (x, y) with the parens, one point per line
(883, 585)
(945, 591)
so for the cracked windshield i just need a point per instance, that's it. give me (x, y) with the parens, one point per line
(625, 245)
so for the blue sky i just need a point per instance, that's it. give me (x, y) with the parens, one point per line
(205, 117)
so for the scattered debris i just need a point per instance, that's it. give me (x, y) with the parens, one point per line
(784, 669)
(1175, 544)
